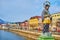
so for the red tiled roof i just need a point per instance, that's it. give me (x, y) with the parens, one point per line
(35, 17)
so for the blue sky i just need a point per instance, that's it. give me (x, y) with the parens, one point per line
(20, 10)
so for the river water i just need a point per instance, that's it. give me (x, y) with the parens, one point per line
(5, 35)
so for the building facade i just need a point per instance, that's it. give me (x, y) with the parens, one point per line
(34, 22)
(55, 17)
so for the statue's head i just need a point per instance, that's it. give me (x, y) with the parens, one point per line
(47, 5)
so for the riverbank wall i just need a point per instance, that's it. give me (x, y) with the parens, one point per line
(29, 34)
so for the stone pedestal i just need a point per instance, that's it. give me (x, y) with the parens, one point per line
(46, 37)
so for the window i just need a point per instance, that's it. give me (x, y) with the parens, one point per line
(58, 15)
(55, 15)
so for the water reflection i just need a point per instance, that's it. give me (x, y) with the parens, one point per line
(4, 35)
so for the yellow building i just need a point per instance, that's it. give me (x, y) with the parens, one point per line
(55, 16)
(34, 22)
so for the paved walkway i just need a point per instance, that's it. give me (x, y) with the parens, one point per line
(37, 34)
